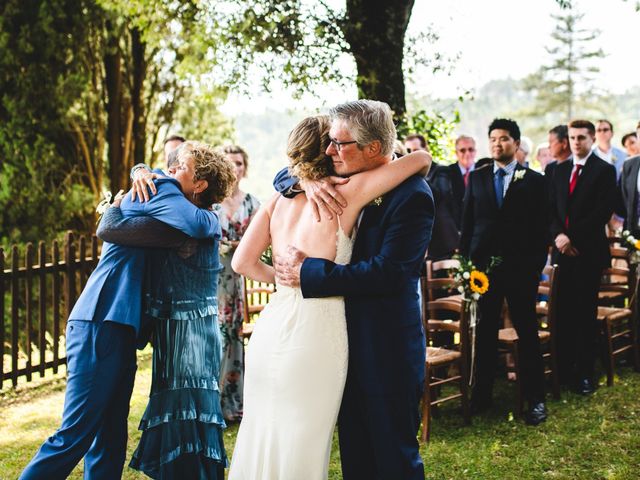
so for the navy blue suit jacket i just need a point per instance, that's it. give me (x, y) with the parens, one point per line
(380, 286)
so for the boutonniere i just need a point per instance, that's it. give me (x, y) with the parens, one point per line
(518, 174)
(614, 159)
(376, 201)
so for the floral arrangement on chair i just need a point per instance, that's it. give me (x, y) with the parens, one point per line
(471, 282)
(633, 245)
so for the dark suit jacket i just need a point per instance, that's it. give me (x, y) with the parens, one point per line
(445, 238)
(589, 208)
(517, 232)
(629, 193)
(380, 286)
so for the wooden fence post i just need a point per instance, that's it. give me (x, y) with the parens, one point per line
(14, 315)
(42, 303)
(28, 294)
(55, 261)
(70, 278)
(1, 317)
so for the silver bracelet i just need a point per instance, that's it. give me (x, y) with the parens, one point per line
(137, 167)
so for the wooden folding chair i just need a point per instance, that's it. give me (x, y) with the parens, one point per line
(439, 360)
(256, 297)
(617, 314)
(615, 286)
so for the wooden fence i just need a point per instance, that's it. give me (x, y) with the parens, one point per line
(36, 298)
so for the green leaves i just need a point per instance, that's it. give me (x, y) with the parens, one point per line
(436, 128)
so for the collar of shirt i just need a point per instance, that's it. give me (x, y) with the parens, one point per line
(509, 169)
(463, 170)
(579, 161)
(606, 156)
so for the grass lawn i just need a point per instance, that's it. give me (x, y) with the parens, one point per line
(584, 438)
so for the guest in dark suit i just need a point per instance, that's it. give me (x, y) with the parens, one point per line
(414, 142)
(559, 147)
(629, 189)
(505, 215)
(448, 184)
(583, 192)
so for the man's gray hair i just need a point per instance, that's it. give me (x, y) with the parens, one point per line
(368, 120)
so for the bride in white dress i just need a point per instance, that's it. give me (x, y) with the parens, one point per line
(296, 361)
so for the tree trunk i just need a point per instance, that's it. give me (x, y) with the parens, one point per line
(113, 86)
(139, 72)
(375, 31)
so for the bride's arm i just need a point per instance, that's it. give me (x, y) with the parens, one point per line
(246, 259)
(363, 187)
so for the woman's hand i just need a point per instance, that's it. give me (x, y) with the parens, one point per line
(143, 180)
(324, 197)
(118, 199)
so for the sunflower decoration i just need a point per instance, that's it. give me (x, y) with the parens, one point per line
(633, 246)
(471, 282)
(478, 282)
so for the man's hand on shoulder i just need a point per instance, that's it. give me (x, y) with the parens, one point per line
(288, 267)
(324, 197)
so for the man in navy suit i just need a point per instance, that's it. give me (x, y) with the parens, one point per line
(379, 415)
(583, 197)
(101, 344)
(505, 215)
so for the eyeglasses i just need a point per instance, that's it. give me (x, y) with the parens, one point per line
(338, 144)
(465, 150)
(604, 129)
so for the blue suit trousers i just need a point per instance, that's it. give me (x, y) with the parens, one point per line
(101, 367)
(378, 434)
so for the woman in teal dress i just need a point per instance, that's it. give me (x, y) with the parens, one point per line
(182, 424)
(235, 213)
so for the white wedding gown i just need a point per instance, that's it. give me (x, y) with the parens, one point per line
(296, 367)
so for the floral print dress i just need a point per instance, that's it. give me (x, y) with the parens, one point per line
(231, 308)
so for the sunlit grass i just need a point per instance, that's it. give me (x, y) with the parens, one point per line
(584, 438)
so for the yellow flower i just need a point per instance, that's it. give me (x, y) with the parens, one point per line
(479, 282)
(637, 244)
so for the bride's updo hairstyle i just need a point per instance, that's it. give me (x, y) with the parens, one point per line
(306, 148)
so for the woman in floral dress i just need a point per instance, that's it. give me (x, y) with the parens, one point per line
(235, 213)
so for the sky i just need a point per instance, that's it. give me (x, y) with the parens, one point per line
(494, 39)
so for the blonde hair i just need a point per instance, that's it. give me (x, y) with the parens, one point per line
(238, 149)
(211, 165)
(306, 148)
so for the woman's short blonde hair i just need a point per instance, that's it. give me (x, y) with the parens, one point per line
(210, 165)
(306, 148)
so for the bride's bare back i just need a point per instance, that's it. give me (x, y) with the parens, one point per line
(292, 223)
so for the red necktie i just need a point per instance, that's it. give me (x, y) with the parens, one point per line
(574, 178)
(572, 186)
(466, 177)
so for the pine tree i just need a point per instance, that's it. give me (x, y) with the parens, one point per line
(567, 84)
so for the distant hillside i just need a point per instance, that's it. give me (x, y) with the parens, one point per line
(264, 135)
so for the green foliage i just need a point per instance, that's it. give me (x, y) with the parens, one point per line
(436, 128)
(63, 64)
(39, 81)
(566, 85)
(296, 43)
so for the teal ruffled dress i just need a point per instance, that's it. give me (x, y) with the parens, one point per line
(182, 425)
